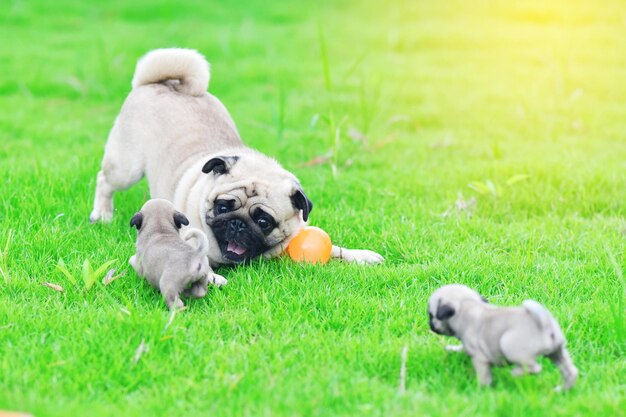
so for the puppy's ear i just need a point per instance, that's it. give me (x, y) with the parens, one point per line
(180, 219)
(301, 202)
(137, 220)
(444, 312)
(484, 299)
(219, 165)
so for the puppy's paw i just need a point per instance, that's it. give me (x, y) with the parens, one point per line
(177, 305)
(101, 215)
(196, 291)
(519, 370)
(217, 280)
(454, 348)
(359, 256)
(569, 379)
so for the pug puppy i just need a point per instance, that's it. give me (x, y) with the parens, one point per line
(498, 335)
(185, 143)
(171, 263)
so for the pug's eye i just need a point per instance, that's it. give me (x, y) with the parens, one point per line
(265, 222)
(222, 206)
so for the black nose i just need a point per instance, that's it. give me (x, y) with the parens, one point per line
(236, 226)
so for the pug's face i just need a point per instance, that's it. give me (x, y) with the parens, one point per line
(253, 208)
(445, 303)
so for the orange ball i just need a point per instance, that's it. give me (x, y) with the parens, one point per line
(311, 245)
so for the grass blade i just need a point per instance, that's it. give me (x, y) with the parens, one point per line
(324, 55)
(4, 264)
(479, 187)
(517, 178)
(87, 281)
(100, 271)
(63, 268)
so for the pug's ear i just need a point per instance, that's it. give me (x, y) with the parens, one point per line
(444, 312)
(180, 219)
(220, 165)
(301, 202)
(137, 220)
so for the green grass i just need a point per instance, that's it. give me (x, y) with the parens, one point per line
(446, 94)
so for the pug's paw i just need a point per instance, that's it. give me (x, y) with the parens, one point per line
(217, 280)
(454, 348)
(359, 256)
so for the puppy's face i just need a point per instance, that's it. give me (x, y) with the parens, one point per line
(445, 303)
(158, 214)
(254, 206)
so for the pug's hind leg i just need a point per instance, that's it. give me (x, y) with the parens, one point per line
(531, 367)
(121, 168)
(103, 200)
(483, 371)
(199, 288)
(170, 289)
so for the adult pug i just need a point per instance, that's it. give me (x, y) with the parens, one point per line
(186, 144)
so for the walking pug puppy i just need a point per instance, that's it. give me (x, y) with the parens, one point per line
(498, 335)
(168, 261)
(186, 144)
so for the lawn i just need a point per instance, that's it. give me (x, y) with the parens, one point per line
(477, 142)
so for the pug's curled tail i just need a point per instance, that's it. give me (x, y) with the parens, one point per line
(201, 241)
(546, 321)
(185, 70)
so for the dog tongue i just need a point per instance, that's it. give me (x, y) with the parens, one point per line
(234, 247)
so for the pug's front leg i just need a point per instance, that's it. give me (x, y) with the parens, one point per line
(569, 372)
(136, 264)
(360, 256)
(483, 371)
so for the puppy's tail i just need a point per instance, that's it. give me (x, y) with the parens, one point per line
(202, 243)
(186, 70)
(546, 321)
